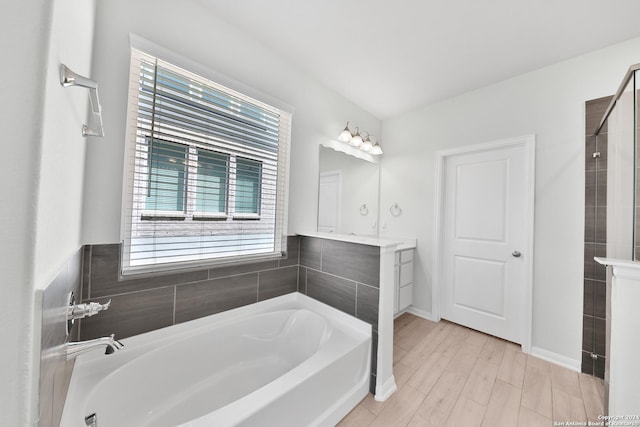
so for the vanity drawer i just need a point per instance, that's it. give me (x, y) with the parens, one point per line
(406, 256)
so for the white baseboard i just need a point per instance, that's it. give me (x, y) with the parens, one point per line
(384, 391)
(558, 359)
(420, 313)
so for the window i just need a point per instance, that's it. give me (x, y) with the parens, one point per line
(248, 180)
(206, 171)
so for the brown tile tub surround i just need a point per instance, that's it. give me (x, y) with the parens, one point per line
(55, 370)
(142, 304)
(345, 276)
(595, 239)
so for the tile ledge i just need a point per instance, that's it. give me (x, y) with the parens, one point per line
(383, 242)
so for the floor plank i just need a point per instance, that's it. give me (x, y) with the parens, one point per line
(536, 391)
(529, 418)
(512, 368)
(438, 404)
(503, 409)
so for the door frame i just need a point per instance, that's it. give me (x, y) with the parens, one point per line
(528, 142)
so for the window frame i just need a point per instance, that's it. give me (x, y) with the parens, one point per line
(280, 196)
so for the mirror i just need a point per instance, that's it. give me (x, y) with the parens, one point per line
(347, 194)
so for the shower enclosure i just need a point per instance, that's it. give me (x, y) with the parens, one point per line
(619, 125)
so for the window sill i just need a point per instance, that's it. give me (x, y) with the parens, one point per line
(243, 217)
(204, 216)
(162, 216)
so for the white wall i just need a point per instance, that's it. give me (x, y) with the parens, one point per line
(42, 176)
(549, 103)
(192, 31)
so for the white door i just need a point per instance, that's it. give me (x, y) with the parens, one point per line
(329, 195)
(486, 207)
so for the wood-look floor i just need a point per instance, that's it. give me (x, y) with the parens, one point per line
(449, 375)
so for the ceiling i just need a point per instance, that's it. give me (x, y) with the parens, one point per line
(390, 57)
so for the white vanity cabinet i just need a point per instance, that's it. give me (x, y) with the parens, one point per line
(403, 280)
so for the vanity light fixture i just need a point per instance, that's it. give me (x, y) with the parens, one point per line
(356, 140)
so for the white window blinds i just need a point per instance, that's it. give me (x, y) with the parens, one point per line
(206, 171)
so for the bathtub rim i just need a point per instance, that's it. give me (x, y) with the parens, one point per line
(138, 344)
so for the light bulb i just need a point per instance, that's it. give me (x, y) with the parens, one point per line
(356, 141)
(376, 150)
(345, 135)
(367, 145)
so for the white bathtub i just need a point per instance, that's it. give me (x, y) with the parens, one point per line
(288, 361)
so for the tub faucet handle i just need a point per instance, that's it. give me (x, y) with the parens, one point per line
(80, 311)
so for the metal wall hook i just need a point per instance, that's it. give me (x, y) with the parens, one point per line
(395, 210)
(69, 78)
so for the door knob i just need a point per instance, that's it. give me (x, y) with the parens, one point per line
(516, 254)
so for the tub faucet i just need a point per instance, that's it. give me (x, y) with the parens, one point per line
(75, 349)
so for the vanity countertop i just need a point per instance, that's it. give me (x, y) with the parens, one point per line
(401, 243)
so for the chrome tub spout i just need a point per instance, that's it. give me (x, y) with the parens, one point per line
(111, 345)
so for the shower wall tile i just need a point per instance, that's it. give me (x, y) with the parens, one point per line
(352, 261)
(600, 339)
(590, 223)
(600, 299)
(213, 296)
(293, 252)
(587, 363)
(589, 263)
(281, 281)
(86, 272)
(235, 270)
(590, 183)
(602, 145)
(311, 252)
(335, 291)
(367, 300)
(601, 188)
(588, 333)
(105, 274)
(588, 297)
(599, 366)
(600, 225)
(131, 314)
(594, 110)
(302, 280)
(590, 162)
